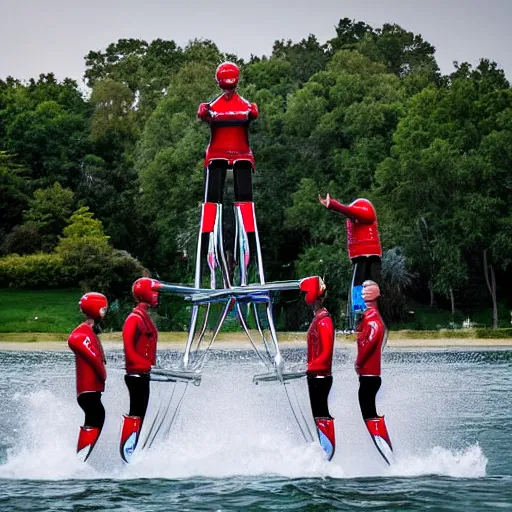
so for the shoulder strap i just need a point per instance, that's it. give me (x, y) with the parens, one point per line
(143, 318)
(323, 314)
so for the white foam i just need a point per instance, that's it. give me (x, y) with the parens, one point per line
(46, 444)
(226, 427)
(467, 463)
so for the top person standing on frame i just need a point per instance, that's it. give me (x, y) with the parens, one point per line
(229, 117)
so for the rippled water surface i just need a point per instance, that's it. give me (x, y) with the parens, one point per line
(235, 446)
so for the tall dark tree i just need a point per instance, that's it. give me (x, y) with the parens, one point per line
(306, 57)
(14, 193)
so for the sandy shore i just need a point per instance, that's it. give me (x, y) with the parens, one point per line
(172, 340)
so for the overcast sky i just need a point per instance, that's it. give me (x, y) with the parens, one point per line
(40, 36)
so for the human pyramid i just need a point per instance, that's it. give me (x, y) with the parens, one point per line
(229, 116)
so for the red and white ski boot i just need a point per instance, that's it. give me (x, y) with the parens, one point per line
(129, 436)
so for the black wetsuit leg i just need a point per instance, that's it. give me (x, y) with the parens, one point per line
(319, 388)
(368, 388)
(364, 268)
(214, 181)
(93, 409)
(242, 181)
(138, 387)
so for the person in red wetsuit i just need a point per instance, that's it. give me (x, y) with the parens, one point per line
(320, 347)
(229, 117)
(90, 370)
(140, 338)
(371, 340)
(364, 249)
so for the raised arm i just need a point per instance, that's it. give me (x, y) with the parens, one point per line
(361, 211)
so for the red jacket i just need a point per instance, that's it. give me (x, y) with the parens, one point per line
(362, 230)
(320, 341)
(229, 119)
(90, 359)
(371, 339)
(140, 338)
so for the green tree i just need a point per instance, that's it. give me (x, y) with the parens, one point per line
(349, 34)
(306, 57)
(448, 166)
(50, 141)
(22, 240)
(13, 190)
(48, 211)
(109, 184)
(83, 228)
(147, 69)
(402, 52)
(396, 279)
(112, 103)
(89, 260)
(169, 163)
(120, 61)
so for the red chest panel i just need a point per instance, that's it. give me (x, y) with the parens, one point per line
(362, 231)
(90, 359)
(371, 338)
(320, 343)
(363, 236)
(229, 129)
(140, 341)
(363, 239)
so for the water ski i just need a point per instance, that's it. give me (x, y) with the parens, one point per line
(380, 436)
(129, 436)
(86, 441)
(326, 435)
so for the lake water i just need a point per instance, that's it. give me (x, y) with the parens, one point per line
(235, 446)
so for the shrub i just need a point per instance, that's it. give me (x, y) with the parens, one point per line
(124, 270)
(21, 240)
(90, 261)
(493, 333)
(40, 270)
(83, 257)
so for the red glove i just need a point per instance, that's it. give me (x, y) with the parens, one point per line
(203, 112)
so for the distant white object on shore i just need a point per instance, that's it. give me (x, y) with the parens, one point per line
(468, 324)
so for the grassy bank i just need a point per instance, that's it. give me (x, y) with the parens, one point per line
(56, 313)
(41, 311)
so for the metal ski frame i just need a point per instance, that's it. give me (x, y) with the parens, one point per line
(247, 294)
(254, 296)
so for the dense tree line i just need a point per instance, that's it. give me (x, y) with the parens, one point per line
(108, 184)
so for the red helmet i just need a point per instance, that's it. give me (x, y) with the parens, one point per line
(146, 290)
(314, 288)
(94, 305)
(227, 75)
